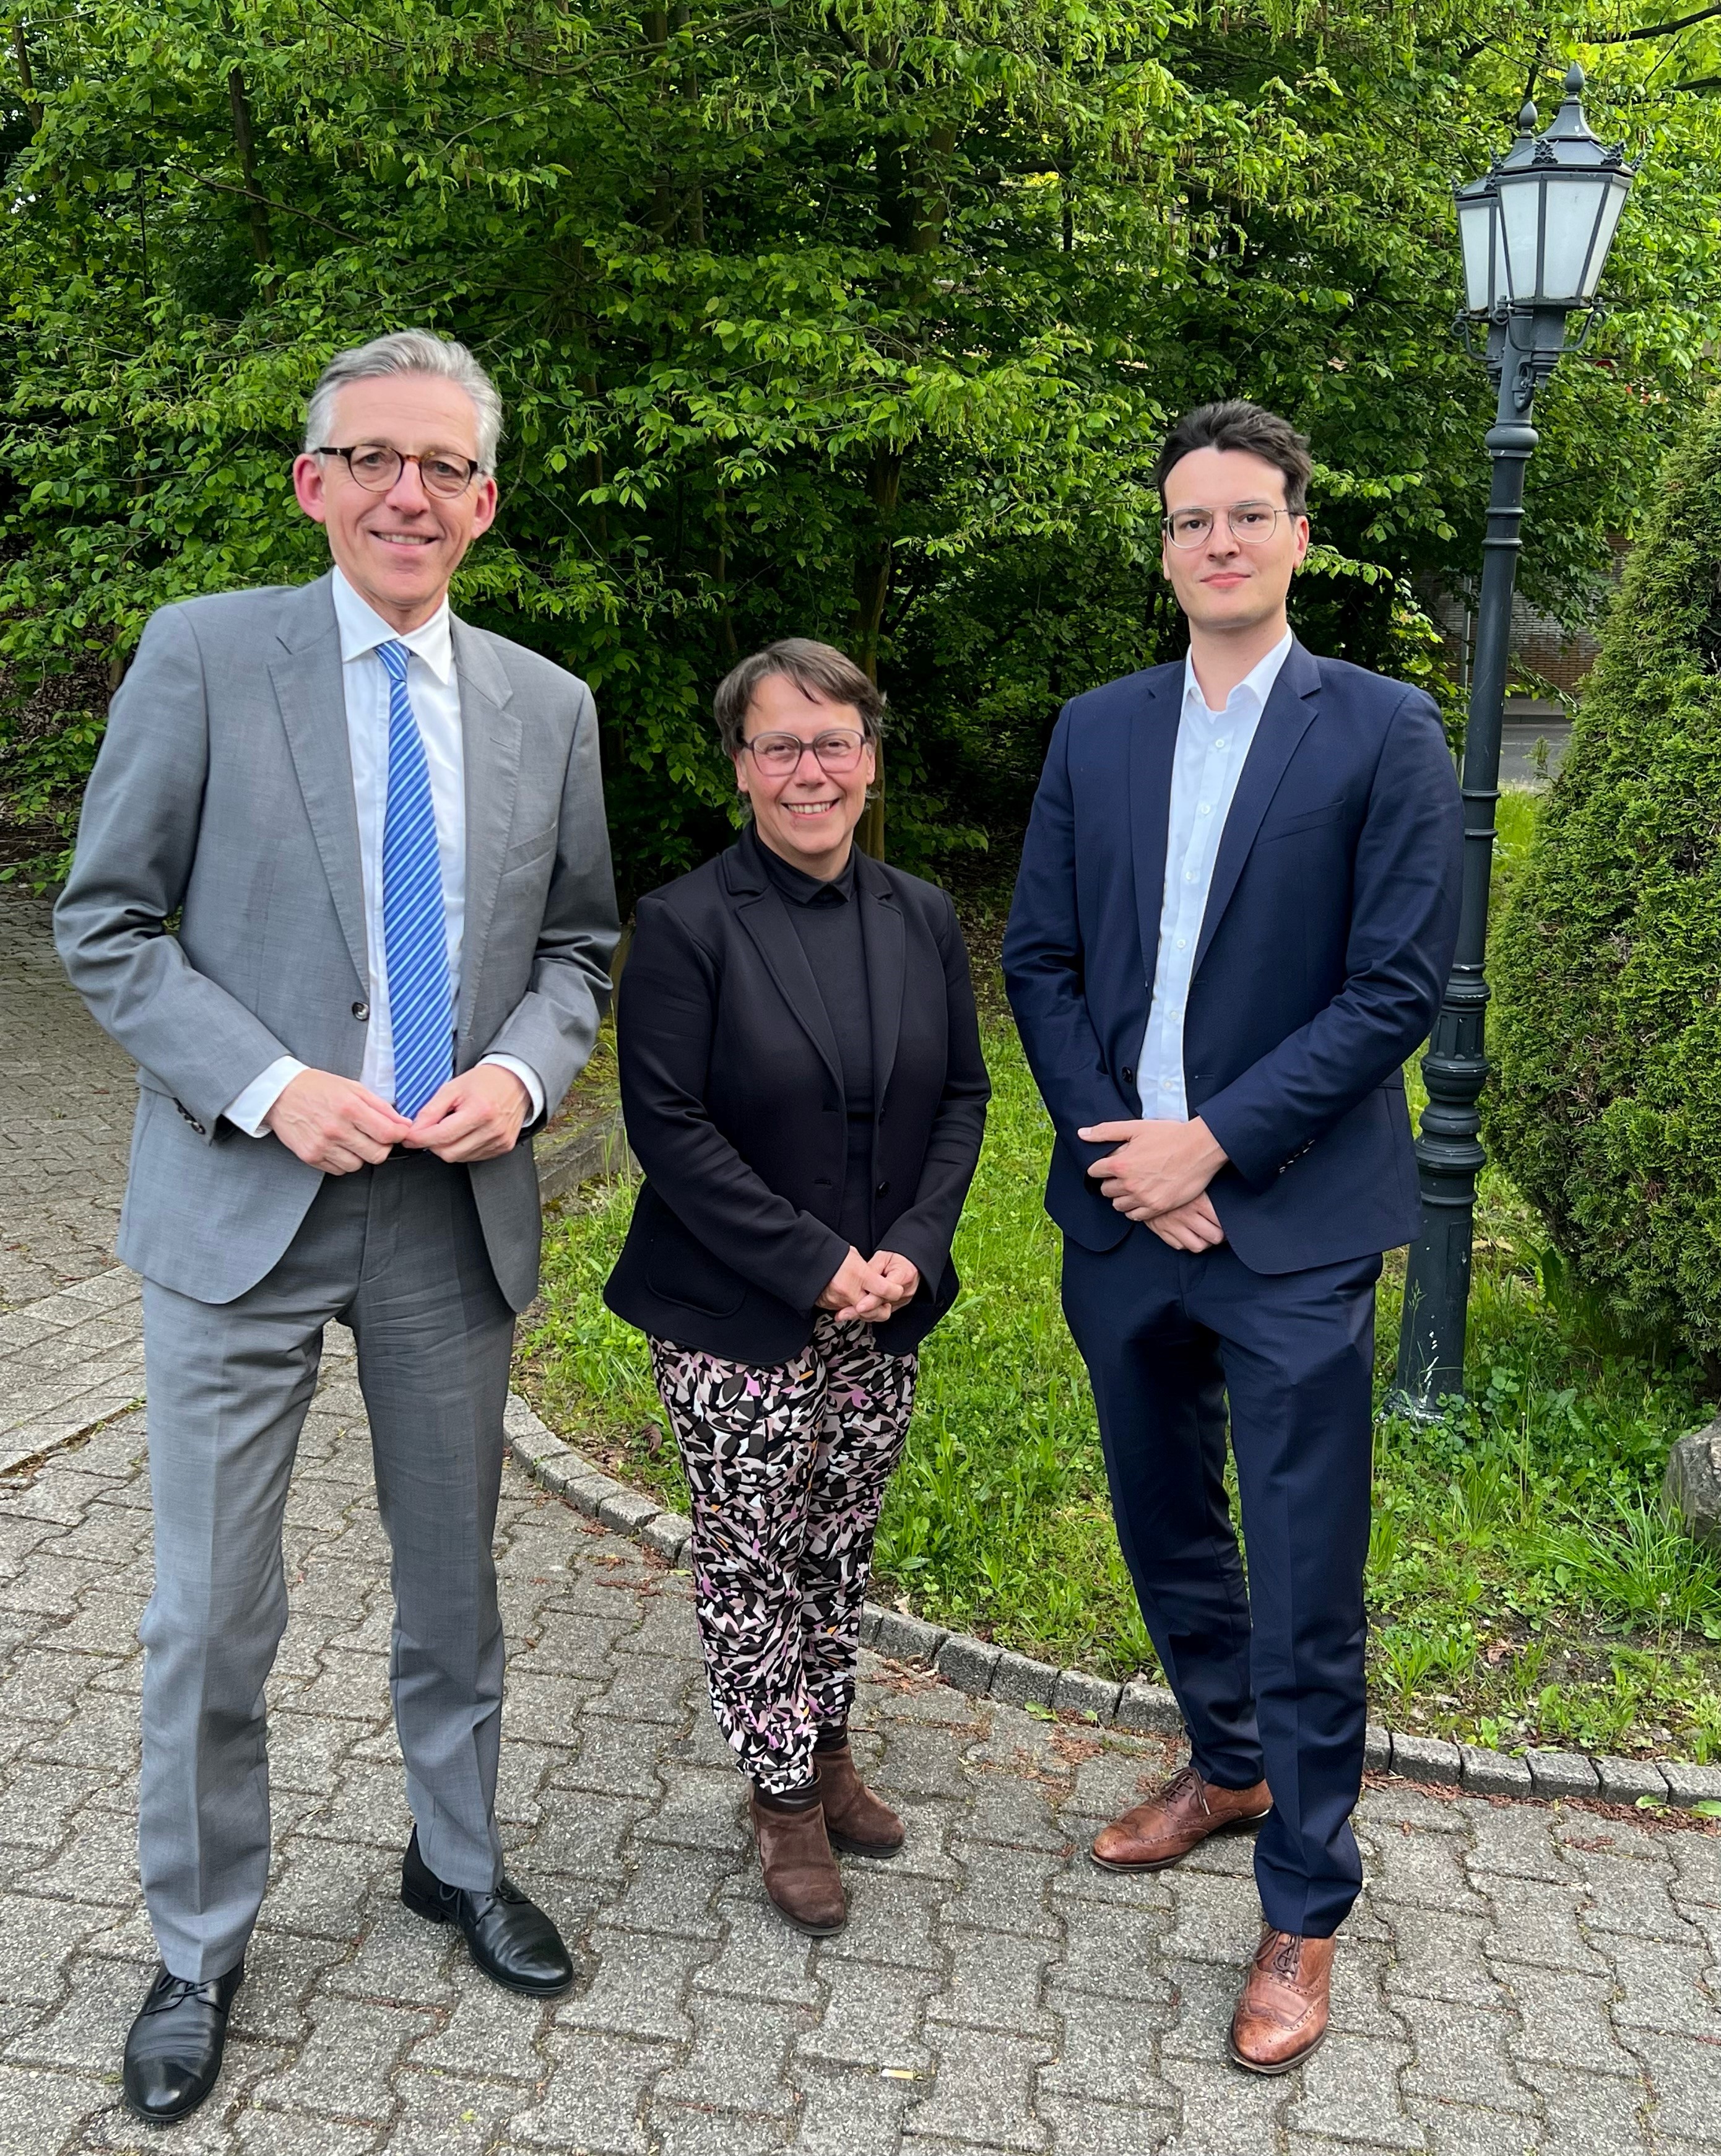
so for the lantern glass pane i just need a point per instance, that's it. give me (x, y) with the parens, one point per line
(1613, 201)
(1520, 220)
(1571, 205)
(1476, 232)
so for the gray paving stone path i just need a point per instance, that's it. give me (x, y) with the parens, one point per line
(1517, 1977)
(65, 1118)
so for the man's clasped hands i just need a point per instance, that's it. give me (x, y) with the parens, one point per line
(338, 1124)
(1159, 1175)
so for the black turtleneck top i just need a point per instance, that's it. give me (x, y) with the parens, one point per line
(827, 918)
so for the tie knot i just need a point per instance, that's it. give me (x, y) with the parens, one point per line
(394, 660)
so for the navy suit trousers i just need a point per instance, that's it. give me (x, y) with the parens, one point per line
(1269, 1675)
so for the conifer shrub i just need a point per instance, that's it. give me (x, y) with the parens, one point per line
(1606, 1104)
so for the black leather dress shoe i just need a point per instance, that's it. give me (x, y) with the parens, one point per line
(510, 1938)
(173, 2053)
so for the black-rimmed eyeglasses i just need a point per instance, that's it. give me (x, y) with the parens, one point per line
(376, 468)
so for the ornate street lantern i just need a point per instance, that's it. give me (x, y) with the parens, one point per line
(1561, 195)
(1534, 231)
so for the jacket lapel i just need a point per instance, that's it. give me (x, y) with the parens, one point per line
(311, 691)
(490, 744)
(1290, 713)
(1153, 746)
(762, 912)
(883, 937)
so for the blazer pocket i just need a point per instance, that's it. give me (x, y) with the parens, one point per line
(1311, 819)
(529, 850)
(681, 1270)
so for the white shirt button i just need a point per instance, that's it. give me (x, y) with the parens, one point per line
(1206, 808)
(1182, 942)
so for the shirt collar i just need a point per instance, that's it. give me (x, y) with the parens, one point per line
(362, 629)
(1255, 687)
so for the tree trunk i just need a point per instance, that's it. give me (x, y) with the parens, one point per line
(21, 53)
(656, 25)
(872, 591)
(690, 91)
(262, 242)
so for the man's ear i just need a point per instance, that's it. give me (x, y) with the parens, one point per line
(308, 487)
(489, 501)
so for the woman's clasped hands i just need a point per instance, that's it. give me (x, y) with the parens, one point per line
(870, 1289)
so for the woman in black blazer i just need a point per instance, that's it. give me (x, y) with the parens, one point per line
(803, 1084)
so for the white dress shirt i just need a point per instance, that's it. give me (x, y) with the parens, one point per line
(434, 690)
(1211, 749)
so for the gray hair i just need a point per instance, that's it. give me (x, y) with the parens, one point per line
(407, 352)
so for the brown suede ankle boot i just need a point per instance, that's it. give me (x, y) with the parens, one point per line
(800, 1875)
(858, 1822)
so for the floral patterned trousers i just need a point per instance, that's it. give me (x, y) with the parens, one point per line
(787, 1466)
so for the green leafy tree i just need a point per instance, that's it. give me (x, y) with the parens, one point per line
(838, 316)
(1607, 1108)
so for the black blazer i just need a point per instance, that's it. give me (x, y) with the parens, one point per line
(733, 1095)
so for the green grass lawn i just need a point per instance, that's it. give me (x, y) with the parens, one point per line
(1525, 1586)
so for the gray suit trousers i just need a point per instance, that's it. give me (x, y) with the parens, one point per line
(396, 1252)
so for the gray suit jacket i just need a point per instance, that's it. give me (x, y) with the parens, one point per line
(224, 795)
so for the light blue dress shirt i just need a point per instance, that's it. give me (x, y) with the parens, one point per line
(434, 688)
(1211, 749)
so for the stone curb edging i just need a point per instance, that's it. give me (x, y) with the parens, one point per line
(580, 1154)
(986, 1671)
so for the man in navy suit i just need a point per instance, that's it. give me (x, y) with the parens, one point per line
(1237, 904)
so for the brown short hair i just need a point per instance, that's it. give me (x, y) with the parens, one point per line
(1237, 425)
(817, 670)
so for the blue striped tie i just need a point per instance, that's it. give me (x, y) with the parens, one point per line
(414, 935)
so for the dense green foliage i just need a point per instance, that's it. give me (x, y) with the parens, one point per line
(1523, 1584)
(847, 316)
(1607, 1108)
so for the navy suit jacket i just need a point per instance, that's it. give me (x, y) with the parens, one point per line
(1329, 931)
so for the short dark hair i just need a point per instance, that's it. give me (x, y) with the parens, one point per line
(1237, 425)
(817, 670)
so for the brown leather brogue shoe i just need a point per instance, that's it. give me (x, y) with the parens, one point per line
(856, 1820)
(1178, 1819)
(800, 1875)
(1281, 2015)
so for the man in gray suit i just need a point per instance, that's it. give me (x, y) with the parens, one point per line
(382, 833)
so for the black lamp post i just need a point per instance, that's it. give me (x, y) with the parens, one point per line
(1535, 230)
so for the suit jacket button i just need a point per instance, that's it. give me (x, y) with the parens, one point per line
(361, 1010)
(881, 1190)
(1129, 1074)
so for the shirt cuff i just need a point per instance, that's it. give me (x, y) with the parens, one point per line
(527, 1076)
(260, 1096)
